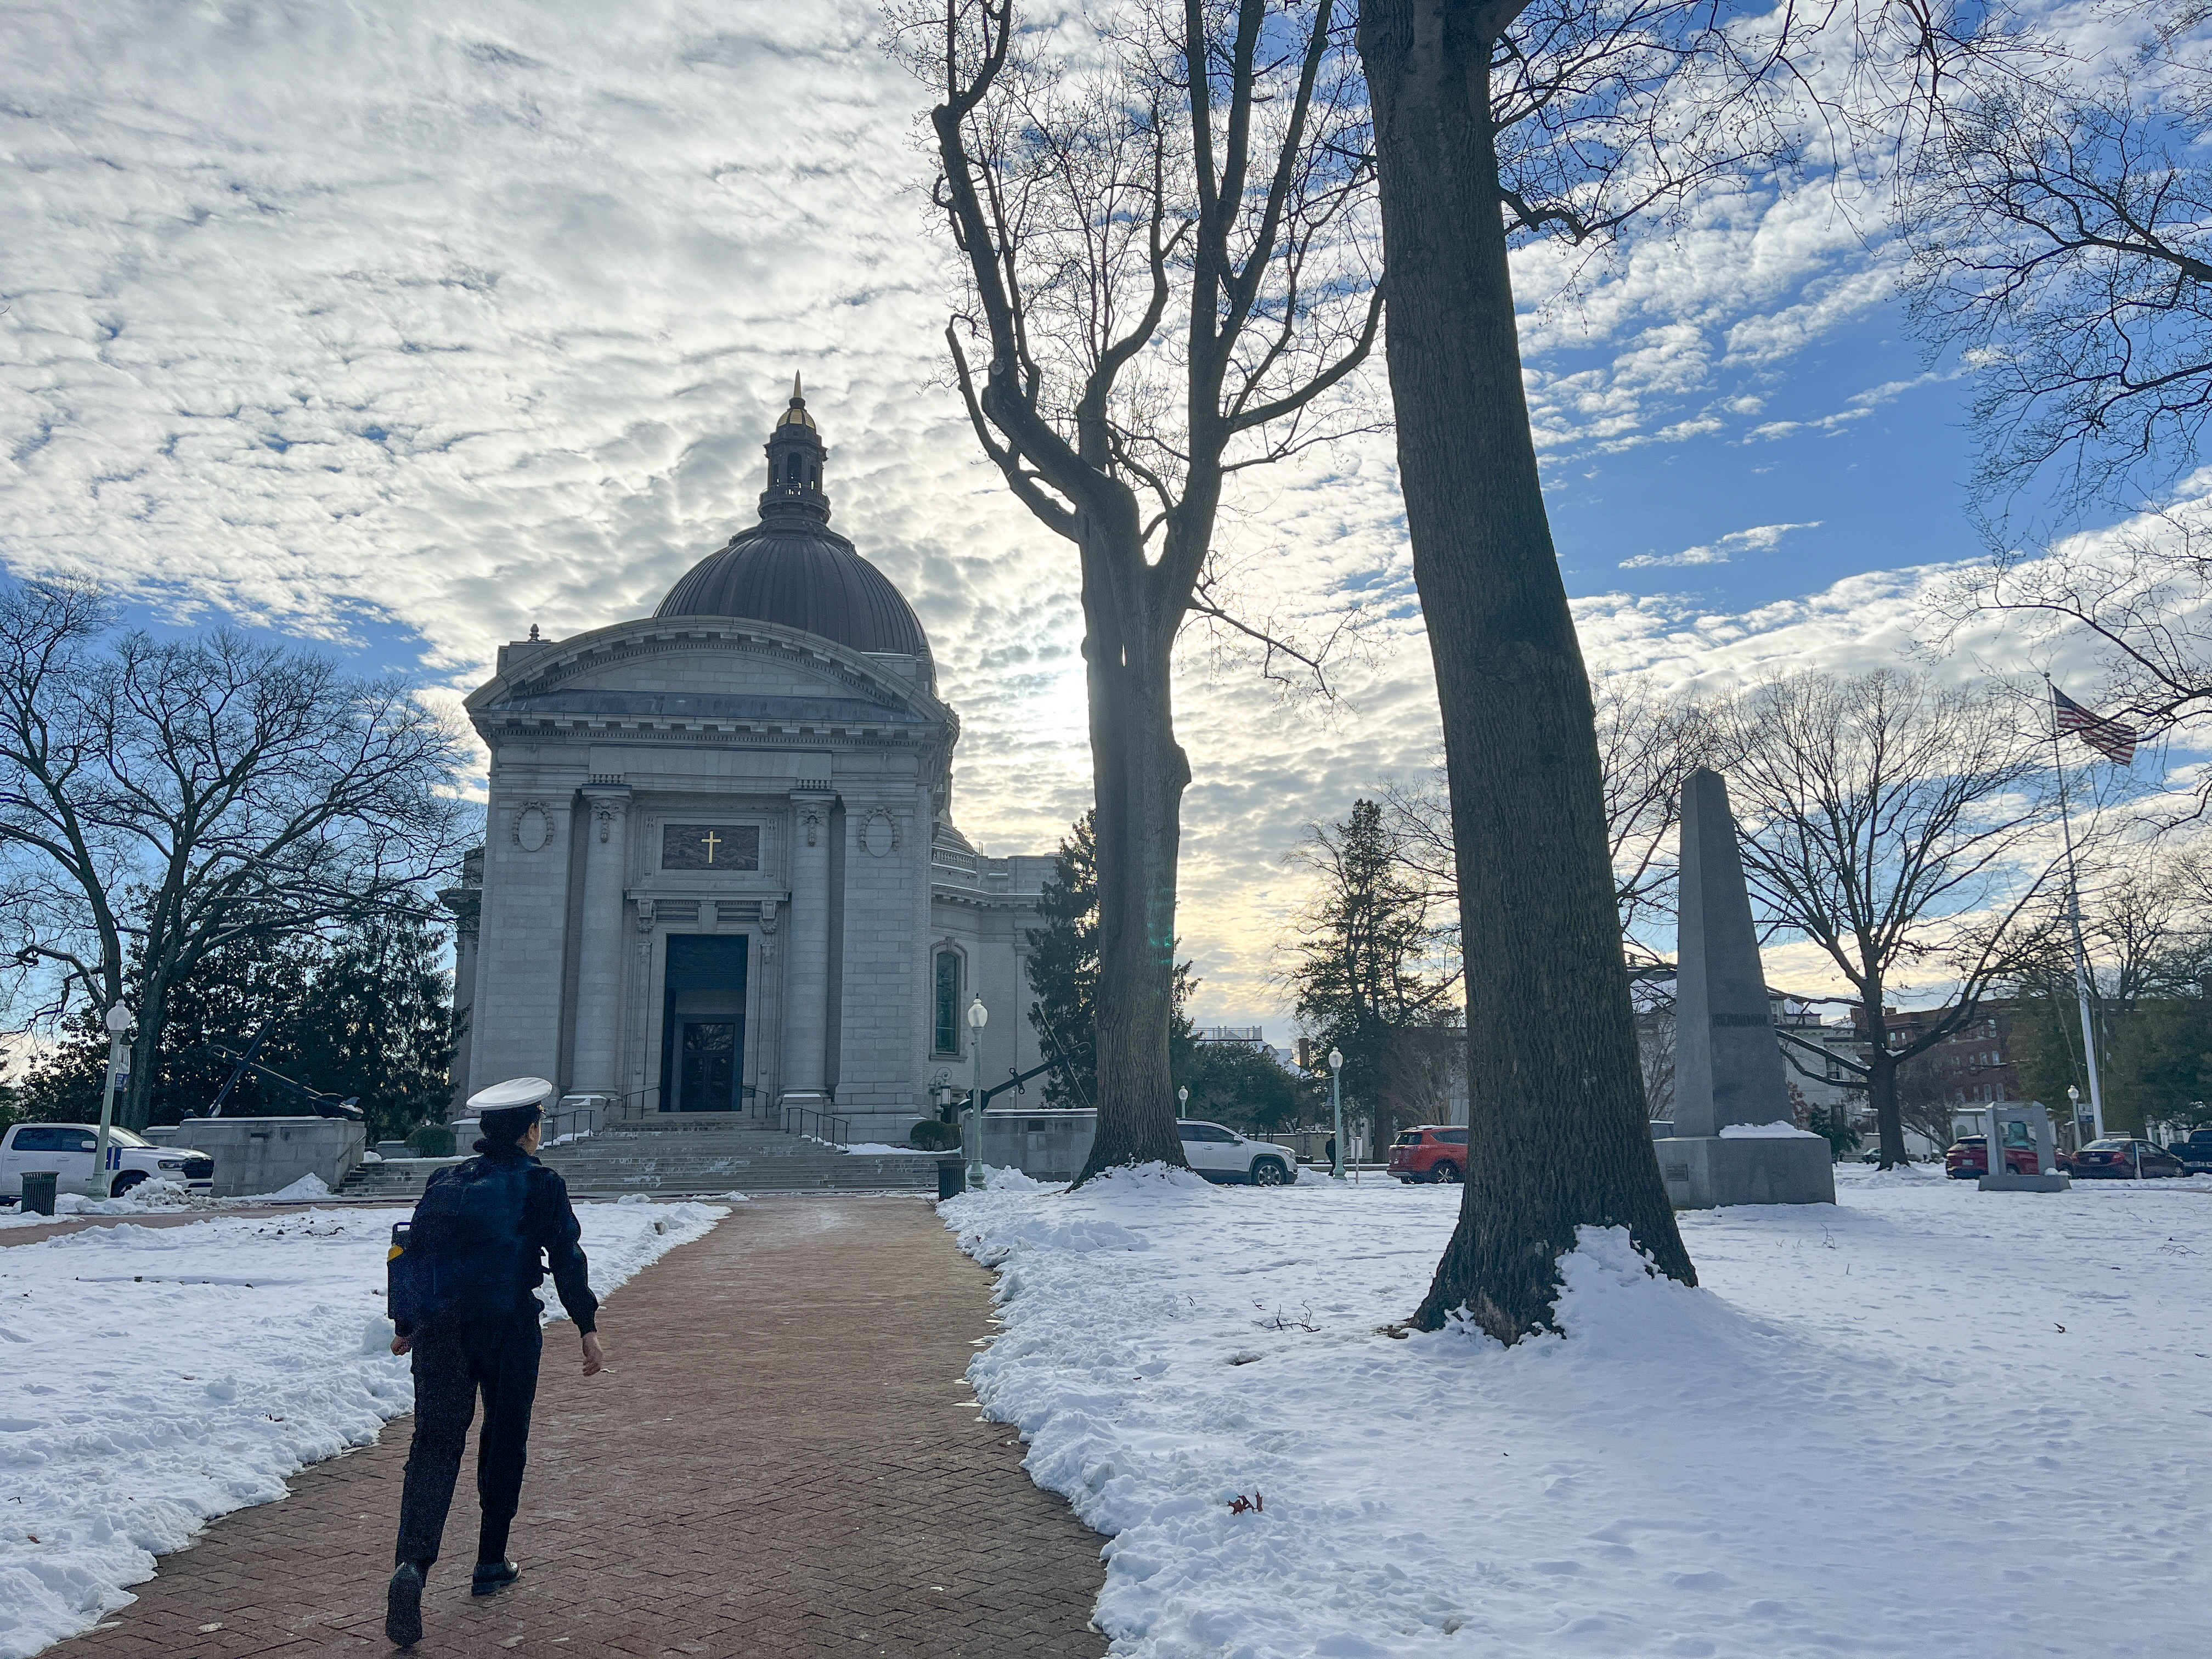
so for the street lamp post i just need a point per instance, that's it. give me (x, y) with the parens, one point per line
(978, 1018)
(1336, 1105)
(1182, 1101)
(118, 1022)
(2074, 1104)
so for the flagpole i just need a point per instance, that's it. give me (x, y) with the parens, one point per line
(2074, 916)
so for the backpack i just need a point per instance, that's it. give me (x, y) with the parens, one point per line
(464, 1258)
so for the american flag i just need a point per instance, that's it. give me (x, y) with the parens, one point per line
(2114, 741)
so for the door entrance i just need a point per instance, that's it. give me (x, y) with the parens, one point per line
(703, 1042)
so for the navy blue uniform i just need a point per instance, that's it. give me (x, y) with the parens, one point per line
(494, 1353)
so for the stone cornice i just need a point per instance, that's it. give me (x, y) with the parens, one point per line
(558, 662)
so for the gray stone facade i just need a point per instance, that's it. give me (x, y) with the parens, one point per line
(684, 778)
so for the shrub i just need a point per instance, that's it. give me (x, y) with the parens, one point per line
(431, 1140)
(932, 1136)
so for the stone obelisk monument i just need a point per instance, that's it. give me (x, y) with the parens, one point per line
(1729, 1082)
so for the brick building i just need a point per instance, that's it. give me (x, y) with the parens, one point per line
(721, 872)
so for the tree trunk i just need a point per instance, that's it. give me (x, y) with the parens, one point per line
(1559, 1138)
(134, 1107)
(1881, 1094)
(1139, 773)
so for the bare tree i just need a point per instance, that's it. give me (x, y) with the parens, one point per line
(1902, 828)
(1164, 228)
(2138, 599)
(1648, 742)
(1498, 122)
(2060, 223)
(159, 800)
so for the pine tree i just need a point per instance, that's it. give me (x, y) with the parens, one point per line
(1367, 973)
(366, 1014)
(1063, 969)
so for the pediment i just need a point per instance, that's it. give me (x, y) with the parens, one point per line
(705, 671)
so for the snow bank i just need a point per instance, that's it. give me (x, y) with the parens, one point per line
(1925, 1420)
(309, 1186)
(882, 1149)
(1777, 1130)
(153, 1378)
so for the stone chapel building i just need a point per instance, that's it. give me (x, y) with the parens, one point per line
(721, 872)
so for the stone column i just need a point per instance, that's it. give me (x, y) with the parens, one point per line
(599, 937)
(466, 903)
(806, 971)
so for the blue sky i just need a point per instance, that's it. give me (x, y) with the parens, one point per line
(396, 328)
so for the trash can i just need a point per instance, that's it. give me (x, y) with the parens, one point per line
(39, 1191)
(952, 1177)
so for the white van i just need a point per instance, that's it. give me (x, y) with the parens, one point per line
(67, 1149)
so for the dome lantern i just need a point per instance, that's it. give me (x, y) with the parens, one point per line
(795, 456)
(791, 567)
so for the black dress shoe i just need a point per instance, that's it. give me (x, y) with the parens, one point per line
(403, 1606)
(492, 1575)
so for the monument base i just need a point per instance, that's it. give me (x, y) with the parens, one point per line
(1704, 1172)
(2058, 1181)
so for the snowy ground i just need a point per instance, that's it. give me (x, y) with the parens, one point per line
(1925, 1421)
(153, 1378)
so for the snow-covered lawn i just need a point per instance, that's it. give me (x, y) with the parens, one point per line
(153, 1378)
(1925, 1421)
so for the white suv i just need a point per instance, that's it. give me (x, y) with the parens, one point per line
(1223, 1155)
(68, 1149)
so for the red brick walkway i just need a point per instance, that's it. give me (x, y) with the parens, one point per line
(778, 1462)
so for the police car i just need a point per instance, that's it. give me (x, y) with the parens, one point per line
(68, 1150)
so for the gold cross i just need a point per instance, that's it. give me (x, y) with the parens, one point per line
(712, 840)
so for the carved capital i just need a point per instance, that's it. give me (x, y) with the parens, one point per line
(645, 915)
(768, 907)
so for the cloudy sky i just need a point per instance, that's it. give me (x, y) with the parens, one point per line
(401, 327)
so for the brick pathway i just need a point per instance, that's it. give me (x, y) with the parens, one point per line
(777, 1462)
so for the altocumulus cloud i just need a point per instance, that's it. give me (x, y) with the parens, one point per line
(454, 317)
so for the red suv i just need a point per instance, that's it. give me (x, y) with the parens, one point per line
(1435, 1151)
(1969, 1158)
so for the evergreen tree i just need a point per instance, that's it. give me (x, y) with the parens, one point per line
(1063, 969)
(376, 1023)
(366, 1014)
(1228, 1082)
(1369, 969)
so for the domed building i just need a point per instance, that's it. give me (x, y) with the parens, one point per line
(721, 873)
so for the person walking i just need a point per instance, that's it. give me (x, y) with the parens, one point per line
(483, 1237)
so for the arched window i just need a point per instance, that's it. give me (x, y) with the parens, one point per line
(946, 1039)
(795, 468)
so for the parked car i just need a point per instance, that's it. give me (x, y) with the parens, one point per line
(1969, 1158)
(2195, 1151)
(2119, 1158)
(1223, 1156)
(67, 1149)
(1433, 1151)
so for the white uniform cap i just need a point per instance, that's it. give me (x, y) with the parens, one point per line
(515, 1091)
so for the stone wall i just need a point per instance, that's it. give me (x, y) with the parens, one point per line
(255, 1155)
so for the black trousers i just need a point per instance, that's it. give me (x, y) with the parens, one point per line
(452, 1365)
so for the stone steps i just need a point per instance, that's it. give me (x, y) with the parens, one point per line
(397, 1178)
(718, 1152)
(689, 1152)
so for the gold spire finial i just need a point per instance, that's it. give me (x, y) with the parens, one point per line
(797, 396)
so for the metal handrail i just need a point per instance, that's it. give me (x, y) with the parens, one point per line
(836, 1131)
